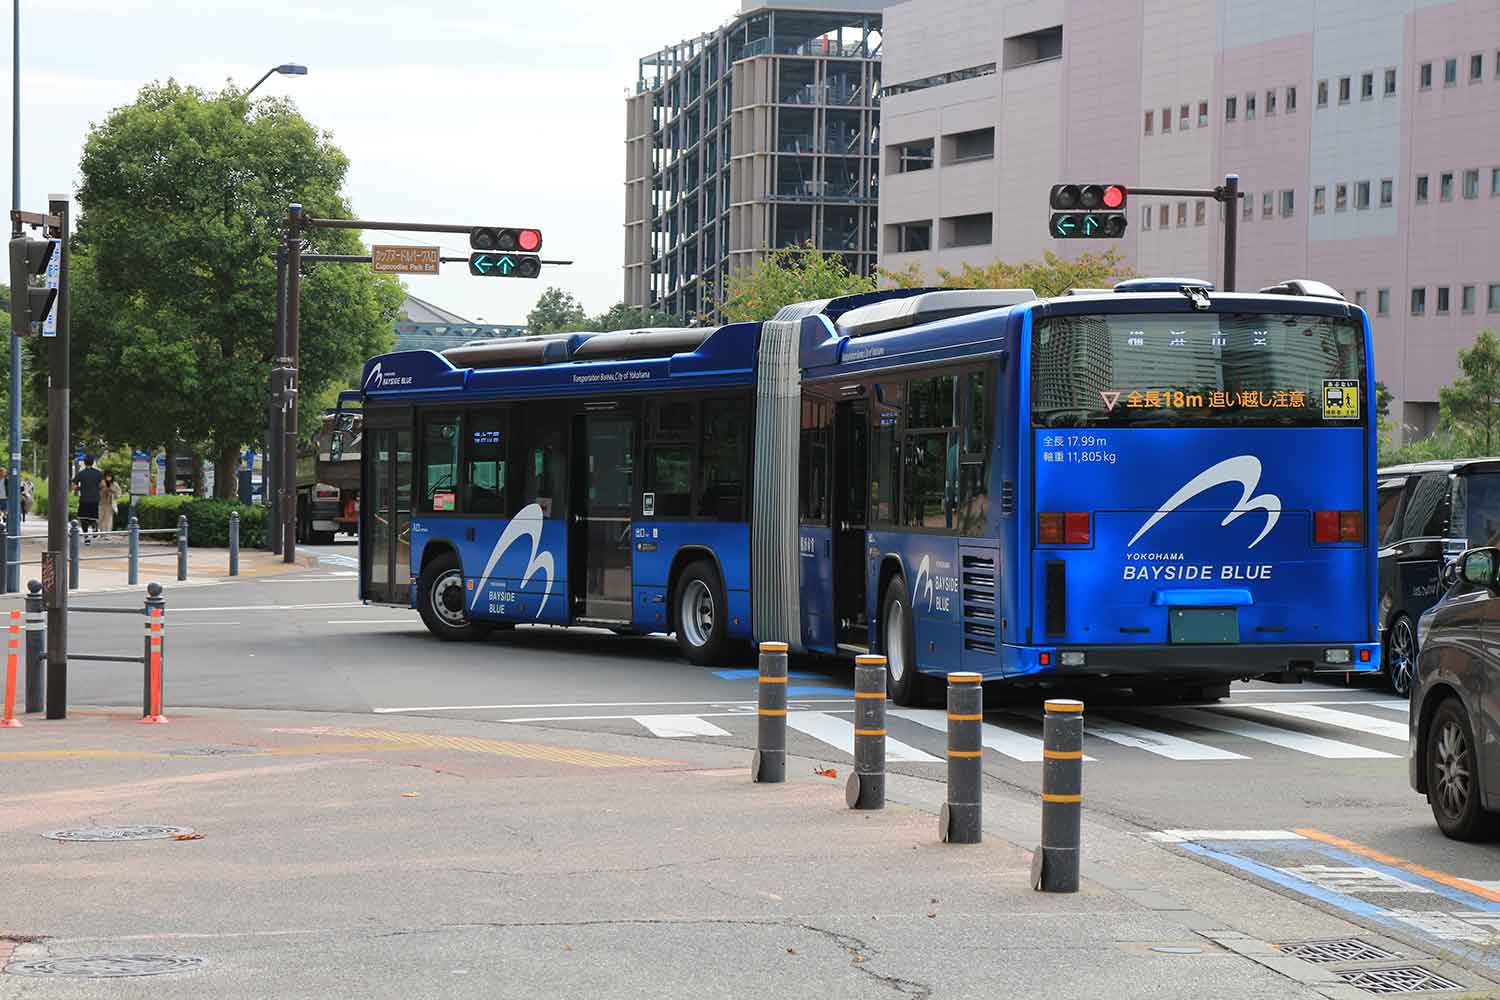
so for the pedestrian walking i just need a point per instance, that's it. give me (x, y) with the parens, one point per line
(28, 497)
(109, 493)
(86, 483)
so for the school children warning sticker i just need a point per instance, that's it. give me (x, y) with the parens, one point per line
(1340, 399)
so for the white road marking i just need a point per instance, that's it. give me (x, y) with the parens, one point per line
(269, 607)
(1344, 720)
(1177, 836)
(839, 734)
(674, 726)
(713, 702)
(1301, 742)
(1399, 707)
(193, 624)
(1151, 741)
(1017, 746)
(412, 622)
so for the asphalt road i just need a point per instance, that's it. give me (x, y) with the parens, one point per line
(1318, 755)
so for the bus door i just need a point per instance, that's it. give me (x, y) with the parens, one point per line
(603, 502)
(851, 491)
(385, 531)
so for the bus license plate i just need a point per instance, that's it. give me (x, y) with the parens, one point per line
(1203, 625)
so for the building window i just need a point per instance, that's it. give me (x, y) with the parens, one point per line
(1421, 189)
(1343, 90)
(1387, 192)
(1494, 181)
(1471, 183)
(1366, 86)
(1203, 114)
(1476, 67)
(1361, 195)
(962, 147)
(1359, 297)
(1466, 299)
(1442, 300)
(1200, 213)
(1322, 93)
(1181, 214)
(1450, 72)
(1150, 119)
(1146, 217)
(912, 237)
(1418, 301)
(1492, 299)
(1291, 99)
(1249, 107)
(1033, 47)
(1382, 301)
(975, 230)
(1248, 211)
(1424, 77)
(1445, 187)
(1270, 103)
(1320, 200)
(1165, 216)
(1166, 120)
(1183, 123)
(1390, 81)
(1341, 197)
(910, 156)
(1229, 108)
(1288, 204)
(1267, 205)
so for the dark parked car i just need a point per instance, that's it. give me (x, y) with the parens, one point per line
(1427, 514)
(1454, 750)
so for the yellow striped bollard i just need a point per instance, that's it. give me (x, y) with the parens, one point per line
(961, 821)
(866, 787)
(1054, 867)
(769, 763)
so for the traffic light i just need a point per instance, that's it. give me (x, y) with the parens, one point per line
(505, 265)
(1087, 211)
(28, 305)
(495, 238)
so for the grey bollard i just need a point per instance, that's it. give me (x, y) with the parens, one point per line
(153, 600)
(234, 543)
(768, 765)
(36, 645)
(962, 821)
(1054, 867)
(135, 551)
(73, 538)
(866, 787)
(182, 546)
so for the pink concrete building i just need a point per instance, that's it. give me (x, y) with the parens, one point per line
(1366, 134)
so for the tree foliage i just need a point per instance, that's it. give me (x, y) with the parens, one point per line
(557, 311)
(183, 197)
(1470, 407)
(792, 274)
(1052, 275)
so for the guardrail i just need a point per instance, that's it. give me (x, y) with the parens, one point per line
(151, 658)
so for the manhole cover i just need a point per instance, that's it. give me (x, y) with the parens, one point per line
(99, 834)
(1336, 950)
(106, 966)
(1403, 979)
(212, 751)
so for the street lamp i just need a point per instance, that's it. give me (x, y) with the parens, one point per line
(286, 69)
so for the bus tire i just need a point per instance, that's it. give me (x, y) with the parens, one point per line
(905, 684)
(699, 614)
(440, 586)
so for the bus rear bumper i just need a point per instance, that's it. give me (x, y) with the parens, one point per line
(1226, 662)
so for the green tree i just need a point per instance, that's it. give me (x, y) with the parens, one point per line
(556, 311)
(1052, 275)
(792, 274)
(1470, 407)
(183, 197)
(622, 317)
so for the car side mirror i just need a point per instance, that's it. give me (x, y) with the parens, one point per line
(1478, 566)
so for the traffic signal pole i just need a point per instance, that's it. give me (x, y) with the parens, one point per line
(59, 477)
(1226, 194)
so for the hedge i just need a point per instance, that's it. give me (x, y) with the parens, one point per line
(208, 520)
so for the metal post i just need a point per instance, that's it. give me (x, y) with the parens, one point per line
(157, 604)
(270, 471)
(12, 575)
(866, 786)
(35, 645)
(182, 546)
(74, 533)
(1054, 867)
(769, 762)
(234, 543)
(59, 435)
(135, 551)
(962, 818)
(1231, 228)
(289, 383)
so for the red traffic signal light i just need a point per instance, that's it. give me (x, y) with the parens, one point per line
(1088, 197)
(1114, 197)
(497, 238)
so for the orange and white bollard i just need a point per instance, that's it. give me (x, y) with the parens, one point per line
(153, 638)
(12, 657)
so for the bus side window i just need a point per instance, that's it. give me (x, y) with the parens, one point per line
(885, 466)
(440, 439)
(930, 452)
(817, 426)
(974, 462)
(544, 464)
(670, 430)
(484, 463)
(722, 465)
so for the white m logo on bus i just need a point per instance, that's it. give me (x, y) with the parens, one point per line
(923, 575)
(375, 376)
(1242, 469)
(526, 524)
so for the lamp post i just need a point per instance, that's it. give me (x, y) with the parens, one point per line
(10, 580)
(285, 69)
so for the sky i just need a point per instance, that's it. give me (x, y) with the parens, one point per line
(453, 111)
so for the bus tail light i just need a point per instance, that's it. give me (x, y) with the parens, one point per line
(1330, 526)
(1070, 528)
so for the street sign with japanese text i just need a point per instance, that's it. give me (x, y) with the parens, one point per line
(405, 260)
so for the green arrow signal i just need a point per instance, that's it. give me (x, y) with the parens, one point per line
(1065, 225)
(482, 264)
(506, 265)
(1090, 225)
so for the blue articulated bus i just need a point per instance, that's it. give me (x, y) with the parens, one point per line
(1159, 485)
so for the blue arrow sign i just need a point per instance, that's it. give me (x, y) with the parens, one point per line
(1065, 225)
(482, 264)
(506, 264)
(1090, 225)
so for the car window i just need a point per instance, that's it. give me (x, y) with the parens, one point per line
(1427, 505)
(1483, 513)
(1387, 504)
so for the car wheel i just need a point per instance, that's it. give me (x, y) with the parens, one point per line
(1400, 655)
(440, 601)
(1453, 775)
(904, 682)
(699, 614)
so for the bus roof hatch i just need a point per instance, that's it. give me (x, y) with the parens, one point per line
(1303, 286)
(893, 314)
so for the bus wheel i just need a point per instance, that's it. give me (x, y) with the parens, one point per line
(440, 601)
(698, 610)
(902, 679)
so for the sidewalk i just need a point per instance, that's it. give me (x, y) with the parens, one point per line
(401, 857)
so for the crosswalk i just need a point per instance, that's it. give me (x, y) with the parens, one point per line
(1373, 729)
